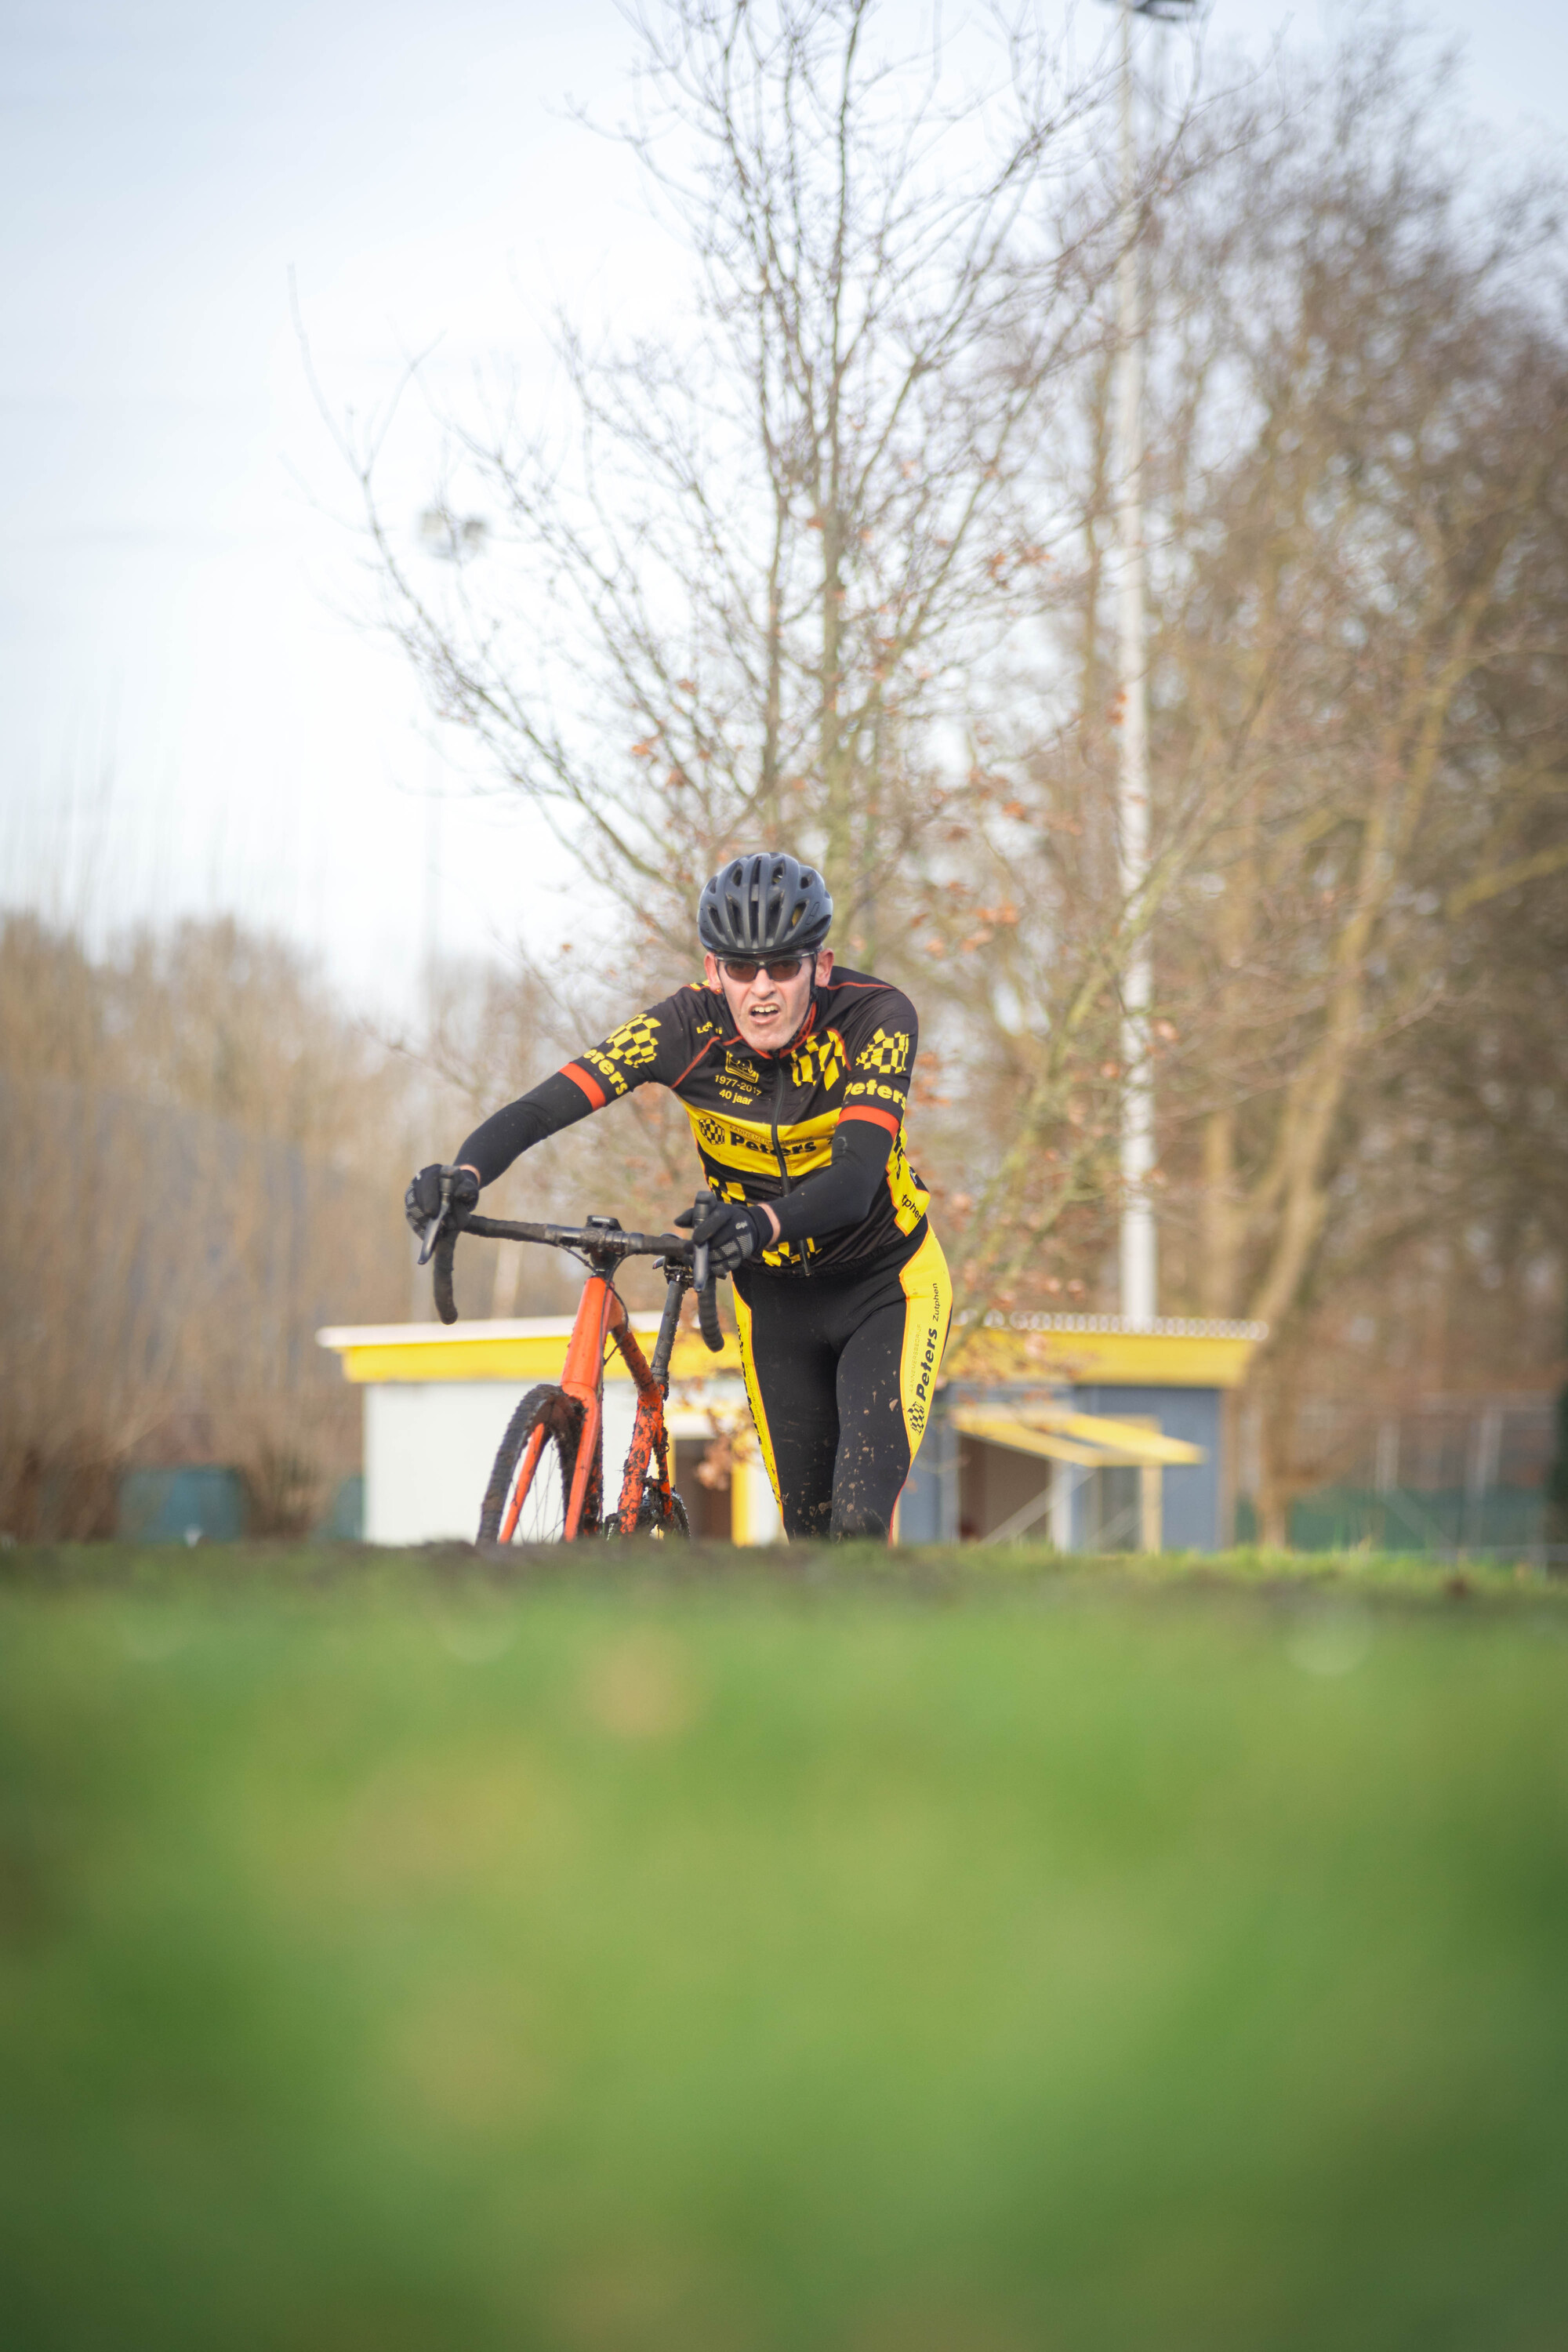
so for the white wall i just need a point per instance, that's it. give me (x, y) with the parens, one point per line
(756, 1511)
(429, 1446)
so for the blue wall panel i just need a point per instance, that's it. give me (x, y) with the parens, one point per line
(1190, 1496)
(928, 1512)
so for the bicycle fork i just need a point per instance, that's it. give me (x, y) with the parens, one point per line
(600, 1316)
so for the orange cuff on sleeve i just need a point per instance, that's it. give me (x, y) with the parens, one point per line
(878, 1117)
(591, 1087)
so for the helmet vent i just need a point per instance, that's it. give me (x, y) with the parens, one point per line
(763, 903)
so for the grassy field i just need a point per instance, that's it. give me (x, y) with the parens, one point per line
(946, 1954)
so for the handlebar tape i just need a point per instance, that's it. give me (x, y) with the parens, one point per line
(445, 1303)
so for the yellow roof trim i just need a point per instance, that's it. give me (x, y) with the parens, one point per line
(1091, 1440)
(1084, 1351)
(1000, 1429)
(690, 1358)
(1103, 1429)
(520, 1351)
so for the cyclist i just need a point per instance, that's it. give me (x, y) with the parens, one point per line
(795, 1076)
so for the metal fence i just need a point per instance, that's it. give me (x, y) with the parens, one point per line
(1451, 1477)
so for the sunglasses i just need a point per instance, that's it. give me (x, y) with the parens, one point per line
(736, 968)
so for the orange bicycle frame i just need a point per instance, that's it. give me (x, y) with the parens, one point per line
(601, 1316)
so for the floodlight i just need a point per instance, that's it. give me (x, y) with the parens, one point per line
(449, 538)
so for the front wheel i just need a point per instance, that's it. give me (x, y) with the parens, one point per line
(531, 1485)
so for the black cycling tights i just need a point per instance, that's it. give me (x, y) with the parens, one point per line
(841, 1373)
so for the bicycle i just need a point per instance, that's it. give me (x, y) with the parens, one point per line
(547, 1486)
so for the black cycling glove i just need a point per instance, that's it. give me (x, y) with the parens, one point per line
(730, 1234)
(423, 1199)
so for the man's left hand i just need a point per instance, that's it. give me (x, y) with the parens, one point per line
(730, 1235)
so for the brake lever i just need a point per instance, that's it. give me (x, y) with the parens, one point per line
(703, 1282)
(701, 1271)
(432, 1231)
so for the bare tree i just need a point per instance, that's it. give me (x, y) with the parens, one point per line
(759, 588)
(201, 1142)
(788, 577)
(1358, 446)
(1367, 442)
(837, 565)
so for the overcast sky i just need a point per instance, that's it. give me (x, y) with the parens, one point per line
(192, 716)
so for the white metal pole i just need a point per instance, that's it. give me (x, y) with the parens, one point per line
(1139, 1278)
(434, 814)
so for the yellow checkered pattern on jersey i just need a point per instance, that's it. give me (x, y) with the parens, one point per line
(635, 1043)
(888, 1057)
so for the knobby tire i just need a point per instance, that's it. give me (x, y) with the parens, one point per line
(543, 1518)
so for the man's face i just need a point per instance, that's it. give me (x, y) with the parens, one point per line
(768, 1011)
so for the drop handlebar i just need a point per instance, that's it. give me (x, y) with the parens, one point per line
(604, 1243)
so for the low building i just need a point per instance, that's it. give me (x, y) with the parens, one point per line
(437, 1401)
(1096, 1434)
(1078, 1429)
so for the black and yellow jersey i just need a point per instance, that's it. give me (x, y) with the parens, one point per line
(762, 1123)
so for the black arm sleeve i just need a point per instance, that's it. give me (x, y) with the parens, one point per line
(842, 1193)
(502, 1138)
(651, 1049)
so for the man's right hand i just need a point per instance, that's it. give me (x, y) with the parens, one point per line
(422, 1201)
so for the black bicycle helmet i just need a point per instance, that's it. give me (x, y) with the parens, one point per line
(764, 905)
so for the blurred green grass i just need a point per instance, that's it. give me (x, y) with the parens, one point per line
(937, 1955)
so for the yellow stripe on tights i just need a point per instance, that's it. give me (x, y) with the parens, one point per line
(754, 1393)
(929, 1289)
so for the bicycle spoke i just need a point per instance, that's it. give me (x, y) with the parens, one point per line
(539, 1512)
(525, 1502)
